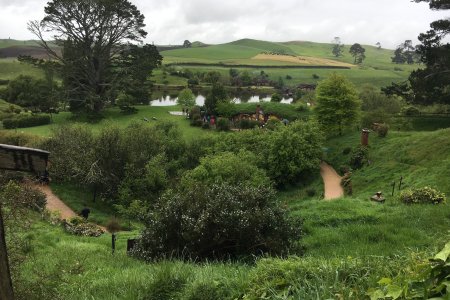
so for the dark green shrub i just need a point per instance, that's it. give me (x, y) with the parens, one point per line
(315, 76)
(196, 120)
(382, 130)
(223, 124)
(23, 121)
(206, 125)
(344, 169)
(346, 150)
(410, 111)
(218, 221)
(311, 192)
(359, 157)
(424, 195)
(276, 98)
(247, 124)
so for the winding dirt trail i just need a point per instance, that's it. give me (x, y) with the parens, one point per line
(54, 203)
(332, 182)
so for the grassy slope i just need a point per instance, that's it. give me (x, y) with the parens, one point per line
(11, 68)
(349, 243)
(377, 69)
(9, 43)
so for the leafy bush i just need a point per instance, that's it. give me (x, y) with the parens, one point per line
(359, 157)
(346, 150)
(23, 121)
(223, 124)
(424, 195)
(430, 282)
(311, 192)
(19, 139)
(410, 111)
(218, 221)
(206, 125)
(247, 124)
(227, 167)
(276, 98)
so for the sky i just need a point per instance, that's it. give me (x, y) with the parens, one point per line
(170, 22)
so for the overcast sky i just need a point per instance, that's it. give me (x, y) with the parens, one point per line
(172, 21)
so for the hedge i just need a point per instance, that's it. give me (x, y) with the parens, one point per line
(23, 121)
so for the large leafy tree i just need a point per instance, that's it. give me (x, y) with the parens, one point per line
(405, 53)
(338, 105)
(358, 52)
(432, 84)
(89, 33)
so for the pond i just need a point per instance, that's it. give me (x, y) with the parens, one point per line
(171, 100)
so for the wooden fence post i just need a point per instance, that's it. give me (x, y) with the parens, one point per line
(6, 289)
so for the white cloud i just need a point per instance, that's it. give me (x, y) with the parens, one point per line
(172, 21)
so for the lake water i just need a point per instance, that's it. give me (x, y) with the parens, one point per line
(200, 100)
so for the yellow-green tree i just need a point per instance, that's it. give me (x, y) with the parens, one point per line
(338, 105)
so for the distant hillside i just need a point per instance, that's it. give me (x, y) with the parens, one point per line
(15, 51)
(9, 43)
(198, 44)
(264, 46)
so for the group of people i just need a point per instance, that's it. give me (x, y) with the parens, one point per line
(207, 119)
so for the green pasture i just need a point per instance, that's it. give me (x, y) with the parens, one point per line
(10, 68)
(114, 116)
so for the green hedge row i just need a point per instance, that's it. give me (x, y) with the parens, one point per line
(23, 121)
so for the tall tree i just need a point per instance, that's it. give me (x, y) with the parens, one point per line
(378, 44)
(217, 95)
(338, 47)
(338, 105)
(89, 33)
(187, 44)
(405, 53)
(432, 84)
(186, 98)
(133, 66)
(358, 52)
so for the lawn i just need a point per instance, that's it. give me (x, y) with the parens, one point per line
(113, 116)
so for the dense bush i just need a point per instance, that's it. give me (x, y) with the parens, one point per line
(425, 195)
(19, 139)
(218, 221)
(23, 121)
(247, 124)
(276, 98)
(228, 168)
(223, 124)
(359, 158)
(410, 111)
(293, 151)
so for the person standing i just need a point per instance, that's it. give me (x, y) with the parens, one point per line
(85, 212)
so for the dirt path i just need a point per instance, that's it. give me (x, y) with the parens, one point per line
(332, 182)
(55, 204)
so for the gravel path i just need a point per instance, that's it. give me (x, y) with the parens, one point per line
(332, 182)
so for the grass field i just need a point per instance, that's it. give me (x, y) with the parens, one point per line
(377, 68)
(114, 116)
(11, 68)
